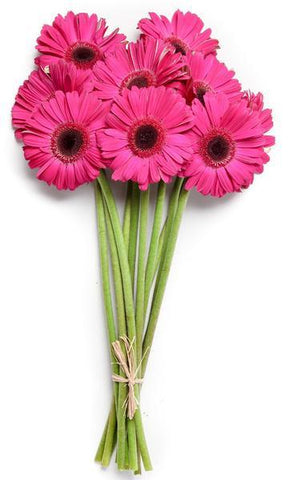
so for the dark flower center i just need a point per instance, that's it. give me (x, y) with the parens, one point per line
(139, 82)
(179, 46)
(218, 148)
(146, 137)
(196, 90)
(139, 79)
(84, 55)
(68, 142)
(200, 93)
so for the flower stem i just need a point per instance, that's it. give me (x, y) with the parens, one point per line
(142, 442)
(163, 273)
(127, 214)
(103, 250)
(173, 205)
(132, 445)
(99, 453)
(120, 308)
(110, 439)
(104, 262)
(117, 279)
(140, 292)
(153, 250)
(129, 310)
(122, 254)
(135, 200)
(106, 445)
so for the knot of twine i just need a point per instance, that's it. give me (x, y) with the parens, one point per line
(126, 360)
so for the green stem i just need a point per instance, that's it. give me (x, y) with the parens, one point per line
(120, 307)
(163, 274)
(110, 439)
(142, 442)
(127, 291)
(104, 262)
(117, 279)
(164, 235)
(133, 230)
(160, 249)
(127, 214)
(173, 204)
(155, 236)
(132, 445)
(99, 453)
(140, 295)
(122, 254)
(129, 307)
(106, 444)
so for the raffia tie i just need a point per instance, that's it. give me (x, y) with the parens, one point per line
(127, 363)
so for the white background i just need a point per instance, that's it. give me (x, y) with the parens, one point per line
(215, 400)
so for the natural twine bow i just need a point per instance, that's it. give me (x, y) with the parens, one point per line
(126, 361)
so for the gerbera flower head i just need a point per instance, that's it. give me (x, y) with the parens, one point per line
(184, 32)
(42, 85)
(207, 74)
(148, 62)
(79, 39)
(228, 146)
(60, 139)
(147, 136)
(256, 103)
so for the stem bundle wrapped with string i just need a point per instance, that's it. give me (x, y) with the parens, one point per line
(131, 333)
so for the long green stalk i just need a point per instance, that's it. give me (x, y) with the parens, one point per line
(99, 453)
(111, 437)
(163, 273)
(120, 308)
(153, 249)
(140, 292)
(134, 215)
(127, 214)
(122, 254)
(108, 436)
(129, 310)
(104, 262)
(128, 301)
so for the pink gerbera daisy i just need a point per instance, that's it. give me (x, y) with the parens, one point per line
(79, 39)
(209, 75)
(60, 139)
(228, 146)
(143, 64)
(256, 103)
(183, 32)
(42, 85)
(147, 135)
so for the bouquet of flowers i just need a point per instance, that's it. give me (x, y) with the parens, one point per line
(100, 109)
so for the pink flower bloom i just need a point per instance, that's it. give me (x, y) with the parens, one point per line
(143, 64)
(79, 39)
(183, 32)
(209, 75)
(60, 139)
(147, 135)
(256, 103)
(228, 146)
(42, 86)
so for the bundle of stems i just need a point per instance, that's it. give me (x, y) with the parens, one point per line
(139, 269)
